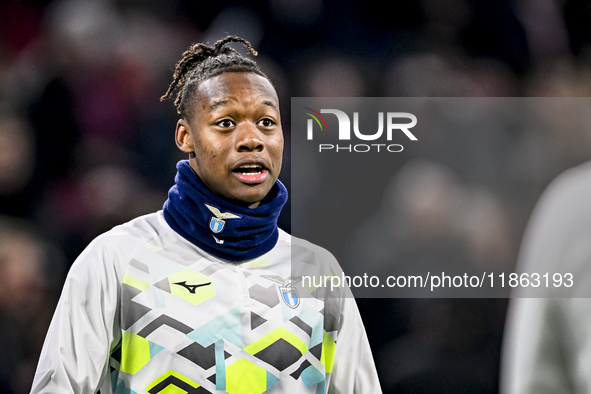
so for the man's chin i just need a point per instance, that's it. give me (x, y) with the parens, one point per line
(251, 197)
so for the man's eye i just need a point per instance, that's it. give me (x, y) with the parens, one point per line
(225, 123)
(266, 122)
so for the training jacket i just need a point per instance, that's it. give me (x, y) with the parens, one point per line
(145, 311)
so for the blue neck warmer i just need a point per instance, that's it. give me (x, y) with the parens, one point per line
(228, 231)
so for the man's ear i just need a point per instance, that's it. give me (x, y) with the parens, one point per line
(183, 137)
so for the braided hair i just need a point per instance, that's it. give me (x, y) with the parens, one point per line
(201, 62)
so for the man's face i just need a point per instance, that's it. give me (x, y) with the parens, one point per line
(235, 132)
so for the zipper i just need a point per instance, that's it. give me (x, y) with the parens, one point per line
(246, 300)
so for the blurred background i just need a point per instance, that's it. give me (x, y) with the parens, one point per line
(85, 143)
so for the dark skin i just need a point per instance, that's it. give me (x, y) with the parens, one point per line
(235, 132)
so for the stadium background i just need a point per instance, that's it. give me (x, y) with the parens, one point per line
(85, 144)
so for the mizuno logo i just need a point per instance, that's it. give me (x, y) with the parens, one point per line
(191, 288)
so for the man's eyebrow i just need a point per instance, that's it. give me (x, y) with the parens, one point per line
(218, 104)
(269, 103)
(221, 103)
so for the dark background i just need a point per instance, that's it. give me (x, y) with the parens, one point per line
(85, 143)
(451, 202)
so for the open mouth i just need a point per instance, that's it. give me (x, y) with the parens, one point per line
(251, 173)
(249, 169)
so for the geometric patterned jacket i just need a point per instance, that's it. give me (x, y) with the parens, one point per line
(145, 311)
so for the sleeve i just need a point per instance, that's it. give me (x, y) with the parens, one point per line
(546, 338)
(346, 354)
(534, 356)
(75, 354)
(353, 369)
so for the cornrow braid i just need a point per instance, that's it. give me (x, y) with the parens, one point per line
(201, 62)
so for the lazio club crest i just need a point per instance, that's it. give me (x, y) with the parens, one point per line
(217, 223)
(289, 294)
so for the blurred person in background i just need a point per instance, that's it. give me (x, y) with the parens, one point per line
(30, 274)
(547, 342)
(17, 162)
(430, 217)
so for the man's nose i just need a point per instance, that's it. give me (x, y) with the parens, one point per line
(249, 138)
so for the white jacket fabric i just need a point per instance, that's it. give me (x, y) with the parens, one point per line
(547, 341)
(145, 311)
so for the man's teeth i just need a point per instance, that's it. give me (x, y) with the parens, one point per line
(250, 169)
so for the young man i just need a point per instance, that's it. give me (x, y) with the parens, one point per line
(199, 297)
